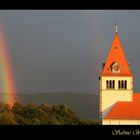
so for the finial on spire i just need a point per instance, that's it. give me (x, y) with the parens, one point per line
(116, 26)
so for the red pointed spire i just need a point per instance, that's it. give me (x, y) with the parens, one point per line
(116, 63)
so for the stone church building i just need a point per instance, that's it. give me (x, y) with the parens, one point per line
(118, 103)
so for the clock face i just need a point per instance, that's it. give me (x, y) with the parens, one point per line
(116, 68)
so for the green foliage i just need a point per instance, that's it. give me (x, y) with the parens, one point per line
(44, 114)
(4, 108)
(17, 109)
(30, 111)
(7, 119)
(64, 114)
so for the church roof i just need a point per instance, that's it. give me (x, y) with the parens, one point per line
(126, 110)
(116, 55)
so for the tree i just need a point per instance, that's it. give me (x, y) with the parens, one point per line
(45, 107)
(4, 108)
(7, 119)
(31, 114)
(17, 108)
(64, 114)
(30, 111)
(35, 114)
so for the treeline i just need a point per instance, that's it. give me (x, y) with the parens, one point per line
(32, 114)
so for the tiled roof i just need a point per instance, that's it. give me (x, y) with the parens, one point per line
(126, 110)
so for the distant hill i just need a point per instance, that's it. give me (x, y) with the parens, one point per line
(84, 105)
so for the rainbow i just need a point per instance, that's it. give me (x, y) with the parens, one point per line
(7, 87)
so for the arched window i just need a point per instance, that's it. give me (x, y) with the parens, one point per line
(125, 84)
(113, 84)
(107, 84)
(110, 84)
(119, 84)
(122, 83)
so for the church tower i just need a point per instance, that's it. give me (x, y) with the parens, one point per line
(116, 79)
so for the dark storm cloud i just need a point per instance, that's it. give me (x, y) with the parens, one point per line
(54, 51)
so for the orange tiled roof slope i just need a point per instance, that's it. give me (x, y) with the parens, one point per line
(126, 110)
(116, 54)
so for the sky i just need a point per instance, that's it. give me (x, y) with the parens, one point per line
(63, 50)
